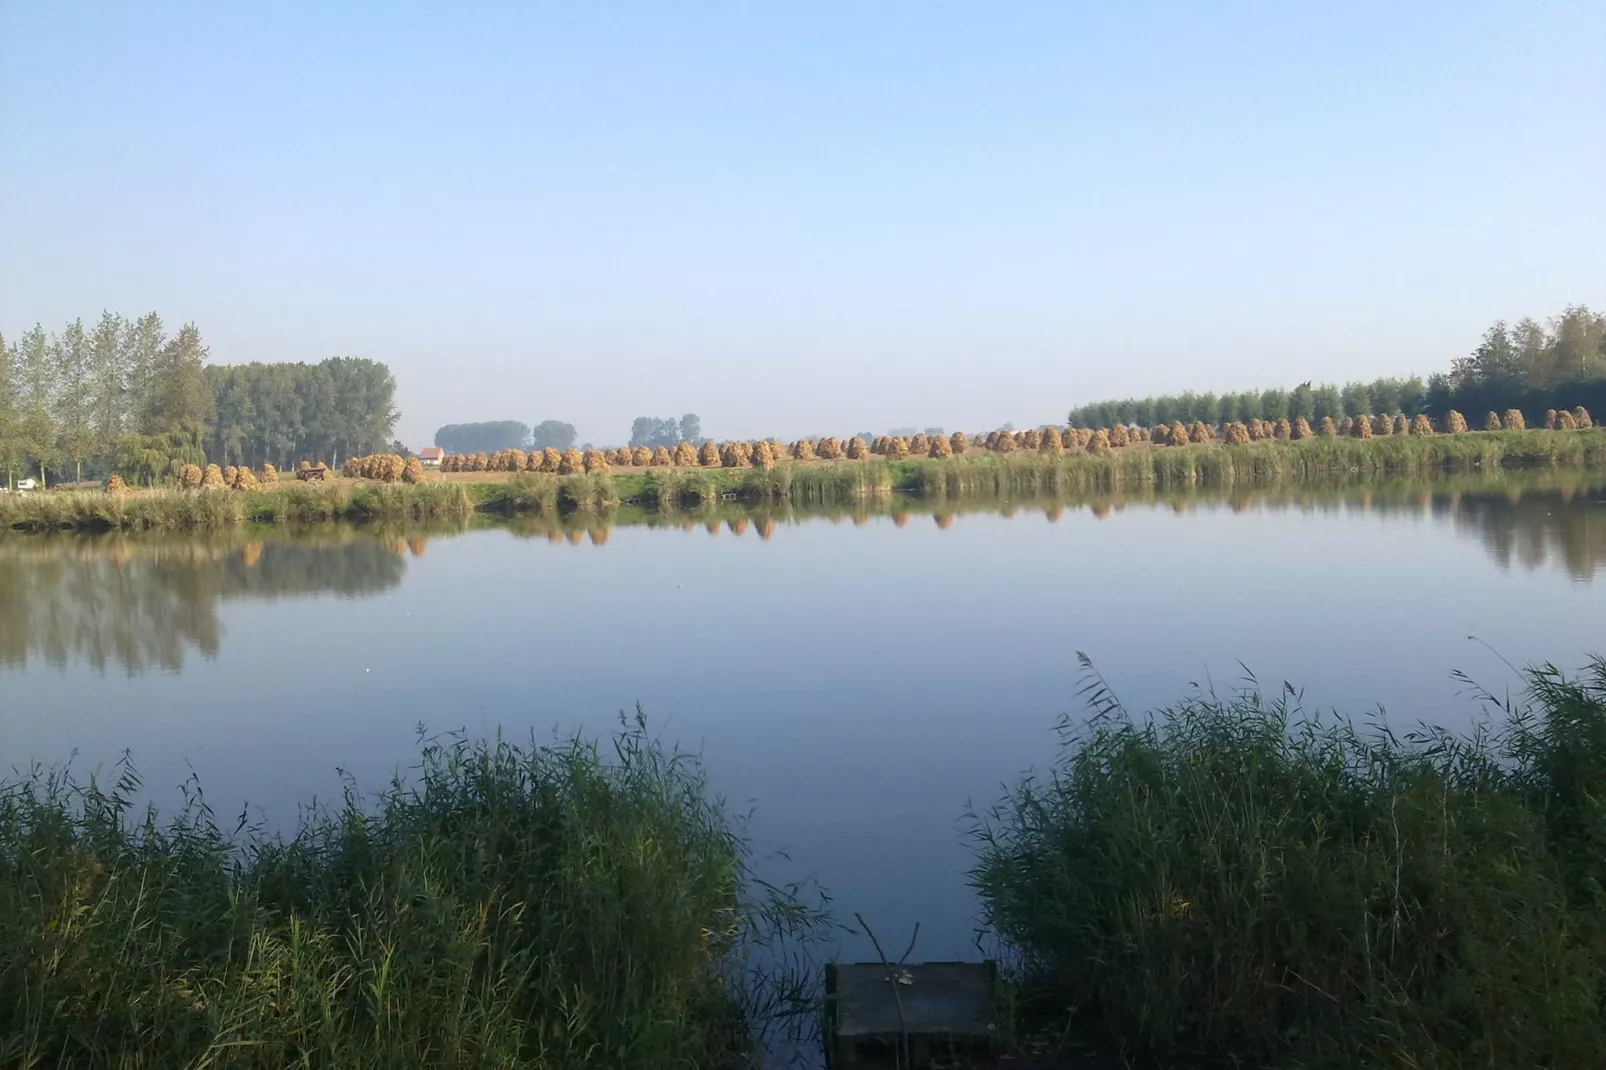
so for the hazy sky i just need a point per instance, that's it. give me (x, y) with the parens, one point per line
(807, 217)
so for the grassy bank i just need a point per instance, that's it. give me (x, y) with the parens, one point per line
(512, 906)
(1310, 463)
(1232, 881)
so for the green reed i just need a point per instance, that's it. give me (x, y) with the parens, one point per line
(533, 906)
(1230, 880)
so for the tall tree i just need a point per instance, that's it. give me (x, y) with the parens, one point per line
(35, 384)
(74, 395)
(11, 450)
(488, 437)
(109, 396)
(179, 401)
(691, 428)
(554, 433)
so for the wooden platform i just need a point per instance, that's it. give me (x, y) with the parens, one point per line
(946, 1007)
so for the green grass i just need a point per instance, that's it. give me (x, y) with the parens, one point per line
(1232, 881)
(165, 510)
(506, 906)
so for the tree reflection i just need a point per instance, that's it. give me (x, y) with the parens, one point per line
(140, 603)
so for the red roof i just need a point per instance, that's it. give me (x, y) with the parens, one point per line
(431, 453)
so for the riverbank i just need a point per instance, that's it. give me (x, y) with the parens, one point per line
(1313, 463)
(1232, 876)
(541, 906)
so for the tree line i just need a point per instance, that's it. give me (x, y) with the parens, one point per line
(124, 396)
(1528, 366)
(495, 436)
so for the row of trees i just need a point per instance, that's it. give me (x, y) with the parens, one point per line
(123, 396)
(495, 436)
(1529, 366)
(340, 407)
(652, 432)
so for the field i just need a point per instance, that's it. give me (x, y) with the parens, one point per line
(1314, 462)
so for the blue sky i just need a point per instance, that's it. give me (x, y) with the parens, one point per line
(805, 218)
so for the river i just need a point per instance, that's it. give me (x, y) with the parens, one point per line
(857, 682)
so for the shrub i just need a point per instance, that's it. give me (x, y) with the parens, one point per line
(1100, 442)
(958, 443)
(1119, 436)
(1361, 427)
(734, 455)
(1283, 430)
(1514, 420)
(857, 449)
(1491, 422)
(1550, 420)
(1049, 441)
(829, 449)
(1401, 424)
(412, 470)
(1581, 418)
(270, 474)
(1003, 442)
(1178, 435)
(1454, 422)
(1235, 434)
(115, 485)
(940, 447)
(1326, 428)
(802, 450)
(1421, 425)
(1565, 421)
(594, 461)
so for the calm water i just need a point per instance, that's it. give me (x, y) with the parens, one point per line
(858, 682)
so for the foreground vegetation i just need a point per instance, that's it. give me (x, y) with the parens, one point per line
(509, 906)
(1230, 880)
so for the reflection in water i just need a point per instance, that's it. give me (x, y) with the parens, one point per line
(139, 602)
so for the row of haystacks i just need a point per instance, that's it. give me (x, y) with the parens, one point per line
(213, 477)
(385, 468)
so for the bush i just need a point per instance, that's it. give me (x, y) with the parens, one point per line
(1421, 425)
(1491, 422)
(1235, 434)
(939, 447)
(1581, 418)
(1514, 420)
(802, 450)
(1326, 428)
(270, 474)
(858, 450)
(594, 461)
(1231, 876)
(212, 478)
(958, 443)
(1049, 441)
(829, 449)
(1361, 427)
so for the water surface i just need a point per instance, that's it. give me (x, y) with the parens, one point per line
(856, 681)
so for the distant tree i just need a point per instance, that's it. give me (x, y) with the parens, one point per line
(486, 437)
(691, 428)
(554, 434)
(12, 453)
(649, 431)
